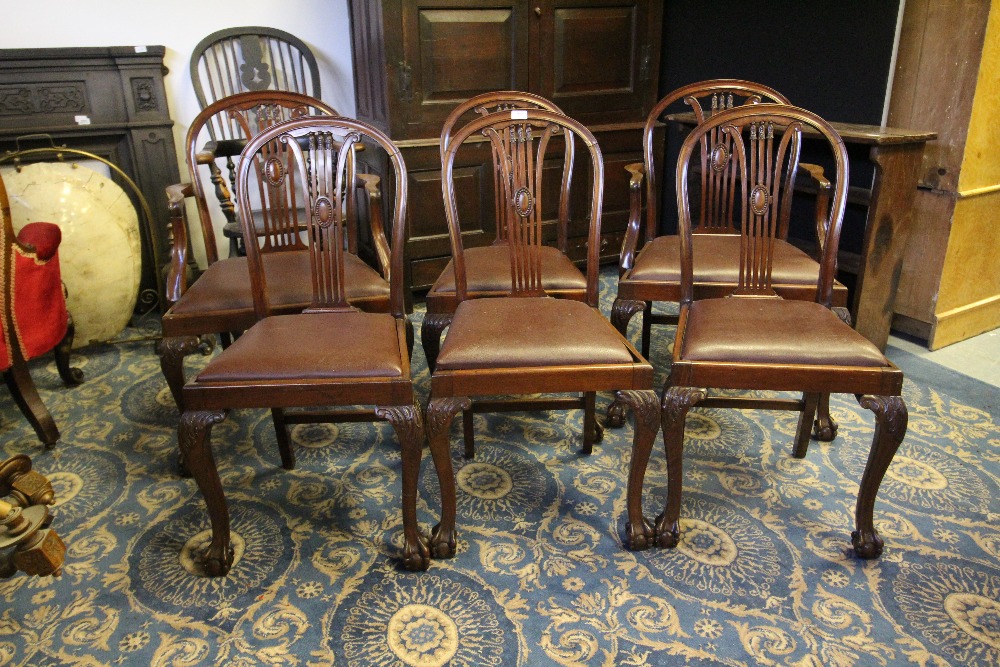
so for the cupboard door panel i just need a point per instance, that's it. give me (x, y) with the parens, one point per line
(595, 59)
(451, 53)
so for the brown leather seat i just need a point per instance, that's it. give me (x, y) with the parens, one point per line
(353, 345)
(754, 339)
(773, 331)
(717, 257)
(488, 272)
(224, 289)
(516, 333)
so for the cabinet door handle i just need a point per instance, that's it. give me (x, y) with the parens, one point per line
(538, 11)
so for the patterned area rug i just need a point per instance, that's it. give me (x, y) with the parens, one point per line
(764, 573)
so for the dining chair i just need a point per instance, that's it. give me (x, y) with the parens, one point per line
(525, 342)
(649, 264)
(755, 339)
(220, 301)
(332, 355)
(488, 267)
(35, 319)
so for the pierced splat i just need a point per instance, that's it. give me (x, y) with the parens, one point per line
(519, 152)
(323, 165)
(765, 175)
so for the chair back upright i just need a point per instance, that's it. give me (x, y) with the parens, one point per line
(760, 145)
(519, 140)
(704, 99)
(251, 58)
(310, 163)
(501, 102)
(240, 117)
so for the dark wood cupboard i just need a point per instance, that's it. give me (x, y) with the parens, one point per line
(415, 60)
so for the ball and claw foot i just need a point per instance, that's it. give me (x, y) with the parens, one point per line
(667, 537)
(443, 545)
(825, 430)
(866, 546)
(417, 557)
(617, 413)
(215, 565)
(640, 538)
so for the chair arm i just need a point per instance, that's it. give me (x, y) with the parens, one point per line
(373, 191)
(627, 257)
(176, 283)
(40, 238)
(823, 193)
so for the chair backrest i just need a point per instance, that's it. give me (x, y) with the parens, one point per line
(500, 102)
(314, 158)
(759, 145)
(520, 139)
(705, 99)
(239, 117)
(252, 58)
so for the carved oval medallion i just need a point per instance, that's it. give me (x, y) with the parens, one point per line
(523, 202)
(274, 171)
(759, 200)
(720, 157)
(323, 211)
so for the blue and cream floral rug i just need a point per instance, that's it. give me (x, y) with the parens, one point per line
(764, 573)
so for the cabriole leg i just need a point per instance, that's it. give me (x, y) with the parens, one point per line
(676, 403)
(193, 435)
(440, 412)
(639, 533)
(408, 423)
(890, 427)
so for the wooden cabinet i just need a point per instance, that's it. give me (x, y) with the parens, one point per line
(414, 61)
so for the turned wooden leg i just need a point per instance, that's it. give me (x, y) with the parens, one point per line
(172, 351)
(25, 395)
(430, 336)
(801, 445)
(824, 428)
(71, 376)
(440, 412)
(193, 435)
(890, 427)
(622, 311)
(408, 423)
(645, 406)
(284, 438)
(674, 408)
